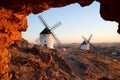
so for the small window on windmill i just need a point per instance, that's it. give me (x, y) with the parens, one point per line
(45, 45)
(45, 41)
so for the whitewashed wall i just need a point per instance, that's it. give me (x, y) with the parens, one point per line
(46, 39)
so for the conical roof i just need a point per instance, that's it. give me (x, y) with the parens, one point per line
(84, 43)
(46, 31)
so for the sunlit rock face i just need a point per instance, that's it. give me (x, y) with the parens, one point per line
(37, 6)
(13, 18)
(11, 25)
(38, 63)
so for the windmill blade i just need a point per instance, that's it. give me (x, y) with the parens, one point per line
(80, 46)
(92, 46)
(43, 21)
(56, 25)
(90, 37)
(37, 40)
(54, 36)
(84, 38)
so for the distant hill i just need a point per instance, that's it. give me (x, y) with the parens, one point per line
(32, 62)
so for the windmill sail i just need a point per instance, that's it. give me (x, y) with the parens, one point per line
(90, 38)
(37, 40)
(43, 21)
(56, 39)
(56, 25)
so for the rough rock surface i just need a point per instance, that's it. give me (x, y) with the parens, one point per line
(11, 25)
(38, 63)
(92, 66)
(13, 17)
(41, 63)
(4, 60)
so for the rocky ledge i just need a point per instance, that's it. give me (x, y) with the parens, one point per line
(34, 62)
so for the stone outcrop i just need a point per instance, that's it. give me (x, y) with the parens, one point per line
(41, 63)
(38, 63)
(13, 17)
(37, 6)
(4, 59)
(11, 25)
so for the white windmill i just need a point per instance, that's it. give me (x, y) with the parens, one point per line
(46, 36)
(85, 45)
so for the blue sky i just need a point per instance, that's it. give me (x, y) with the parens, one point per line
(76, 21)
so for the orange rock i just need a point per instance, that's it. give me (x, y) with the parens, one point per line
(4, 60)
(13, 15)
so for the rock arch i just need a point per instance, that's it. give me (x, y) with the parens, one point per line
(13, 20)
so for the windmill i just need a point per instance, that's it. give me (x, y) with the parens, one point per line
(47, 36)
(85, 45)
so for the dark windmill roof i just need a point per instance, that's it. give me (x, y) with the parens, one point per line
(46, 31)
(84, 43)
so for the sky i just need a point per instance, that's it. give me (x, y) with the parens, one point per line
(76, 22)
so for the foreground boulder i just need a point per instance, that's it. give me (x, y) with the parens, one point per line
(38, 63)
(32, 62)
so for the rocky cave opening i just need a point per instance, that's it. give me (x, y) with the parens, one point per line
(13, 20)
(81, 21)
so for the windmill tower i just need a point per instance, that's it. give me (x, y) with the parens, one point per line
(85, 45)
(47, 36)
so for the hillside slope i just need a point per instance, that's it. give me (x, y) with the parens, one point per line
(32, 62)
(38, 63)
(92, 66)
